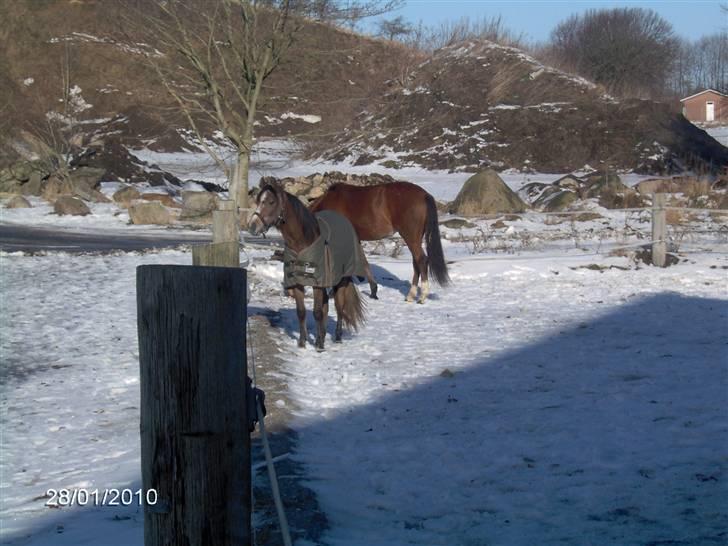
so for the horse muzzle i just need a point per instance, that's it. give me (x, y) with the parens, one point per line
(256, 225)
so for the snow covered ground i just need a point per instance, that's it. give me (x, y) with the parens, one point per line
(532, 401)
(551, 395)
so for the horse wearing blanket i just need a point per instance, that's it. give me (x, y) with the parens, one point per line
(321, 251)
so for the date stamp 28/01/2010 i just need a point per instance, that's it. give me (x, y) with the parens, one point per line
(58, 498)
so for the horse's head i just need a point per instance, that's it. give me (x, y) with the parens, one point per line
(270, 208)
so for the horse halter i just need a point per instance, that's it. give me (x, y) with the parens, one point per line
(279, 220)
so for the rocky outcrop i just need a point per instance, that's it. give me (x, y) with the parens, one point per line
(486, 193)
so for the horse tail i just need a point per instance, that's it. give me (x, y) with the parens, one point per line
(436, 258)
(353, 309)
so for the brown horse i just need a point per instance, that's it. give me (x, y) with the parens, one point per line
(378, 211)
(302, 233)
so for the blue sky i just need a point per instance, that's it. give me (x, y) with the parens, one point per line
(690, 19)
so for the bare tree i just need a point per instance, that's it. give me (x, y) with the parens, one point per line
(394, 29)
(701, 64)
(628, 50)
(347, 12)
(213, 58)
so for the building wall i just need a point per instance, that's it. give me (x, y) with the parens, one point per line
(695, 108)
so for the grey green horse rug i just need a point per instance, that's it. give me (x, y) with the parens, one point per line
(335, 254)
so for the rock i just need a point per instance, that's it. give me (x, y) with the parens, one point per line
(18, 202)
(599, 182)
(197, 206)
(161, 178)
(569, 182)
(10, 186)
(126, 195)
(486, 193)
(457, 223)
(86, 177)
(556, 202)
(532, 191)
(33, 186)
(67, 205)
(54, 187)
(21, 171)
(149, 213)
(164, 198)
(499, 224)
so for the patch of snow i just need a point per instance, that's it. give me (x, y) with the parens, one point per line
(308, 118)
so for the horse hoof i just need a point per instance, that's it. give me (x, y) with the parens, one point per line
(420, 301)
(374, 296)
(301, 344)
(320, 349)
(337, 340)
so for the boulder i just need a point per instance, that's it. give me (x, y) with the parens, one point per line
(67, 204)
(33, 186)
(149, 213)
(569, 182)
(486, 193)
(599, 182)
(54, 187)
(532, 191)
(164, 198)
(198, 205)
(558, 201)
(457, 223)
(10, 185)
(87, 177)
(126, 195)
(18, 202)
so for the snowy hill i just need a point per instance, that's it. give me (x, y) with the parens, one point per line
(479, 104)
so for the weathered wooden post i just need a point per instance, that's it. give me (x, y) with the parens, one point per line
(194, 428)
(225, 248)
(659, 230)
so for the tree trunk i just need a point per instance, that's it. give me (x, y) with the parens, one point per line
(239, 186)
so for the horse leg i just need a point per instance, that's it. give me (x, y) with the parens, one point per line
(425, 286)
(415, 280)
(372, 282)
(339, 296)
(419, 264)
(320, 313)
(297, 293)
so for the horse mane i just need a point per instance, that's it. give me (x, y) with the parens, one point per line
(305, 217)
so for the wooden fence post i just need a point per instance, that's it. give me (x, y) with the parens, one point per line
(224, 251)
(225, 222)
(194, 428)
(659, 230)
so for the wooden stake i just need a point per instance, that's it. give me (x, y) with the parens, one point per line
(659, 230)
(194, 428)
